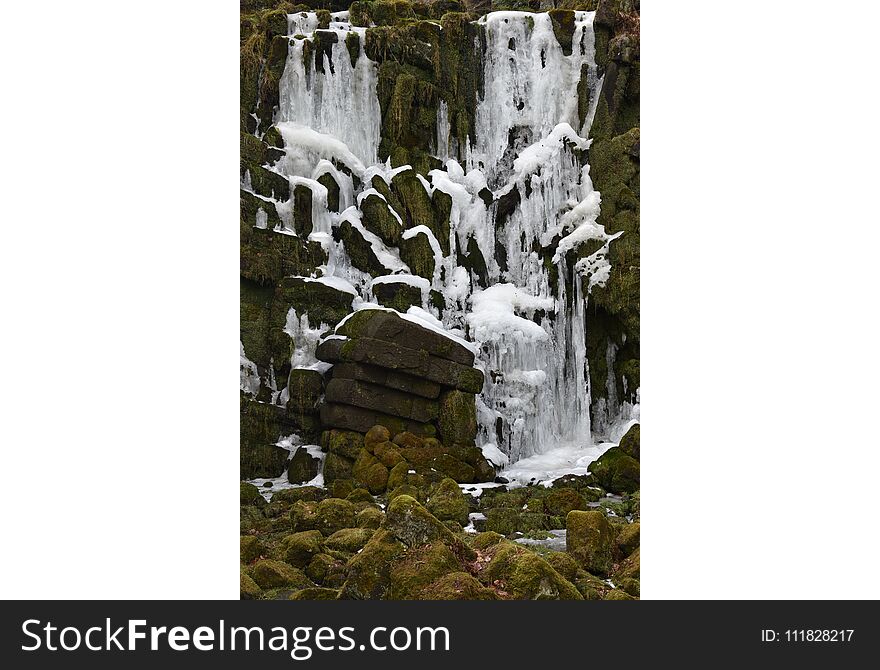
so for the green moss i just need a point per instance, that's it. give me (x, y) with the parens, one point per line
(448, 503)
(299, 549)
(457, 586)
(359, 250)
(250, 495)
(277, 574)
(315, 594)
(458, 417)
(324, 304)
(484, 540)
(249, 588)
(398, 295)
(379, 220)
(307, 493)
(376, 435)
(502, 520)
(563, 28)
(349, 540)
(628, 539)
(250, 548)
(369, 517)
(561, 501)
(590, 540)
(616, 471)
(368, 573)
(629, 443)
(419, 567)
(523, 575)
(334, 514)
(415, 526)
(346, 443)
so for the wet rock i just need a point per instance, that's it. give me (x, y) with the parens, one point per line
(447, 503)
(303, 467)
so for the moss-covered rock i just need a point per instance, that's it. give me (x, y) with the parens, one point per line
(486, 539)
(618, 594)
(369, 517)
(590, 540)
(628, 538)
(305, 493)
(349, 540)
(448, 503)
(415, 526)
(560, 502)
(360, 497)
(338, 468)
(388, 454)
(502, 520)
(270, 574)
(302, 467)
(520, 574)
(315, 593)
(630, 568)
(564, 564)
(376, 435)
(302, 515)
(347, 443)
(457, 586)
(298, 549)
(418, 568)
(326, 569)
(629, 443)
(368, 573)
(334, 514)
(458, 417)
(370, 473)
(250, 548)
(250, 495)
(616, 471)
(398, 295)
(249, 588)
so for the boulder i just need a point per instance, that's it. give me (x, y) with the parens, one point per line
(523, 575)
(415, 526)
(616, 471)
(302, 467)
(390, 327)
(334, 514)
(299, 549)
(376, 435)
(398, 295)
(369, 572)
(250, 548)
(628, 539)
(270, 574)
(323, 303)
(315, 594)
(590, 540)
(349, 540)
(345, 443)
(629, 443)
(447, 502)
(249, 588)
(457, 586)
(419, 567)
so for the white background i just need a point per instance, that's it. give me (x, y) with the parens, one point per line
(119, 260)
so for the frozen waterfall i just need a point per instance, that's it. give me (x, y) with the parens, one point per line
(529, 313)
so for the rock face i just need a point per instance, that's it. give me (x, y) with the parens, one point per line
(396, 373)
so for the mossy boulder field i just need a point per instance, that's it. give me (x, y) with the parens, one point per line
(439, 292)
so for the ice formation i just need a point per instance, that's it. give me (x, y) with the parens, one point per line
(527, 317)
